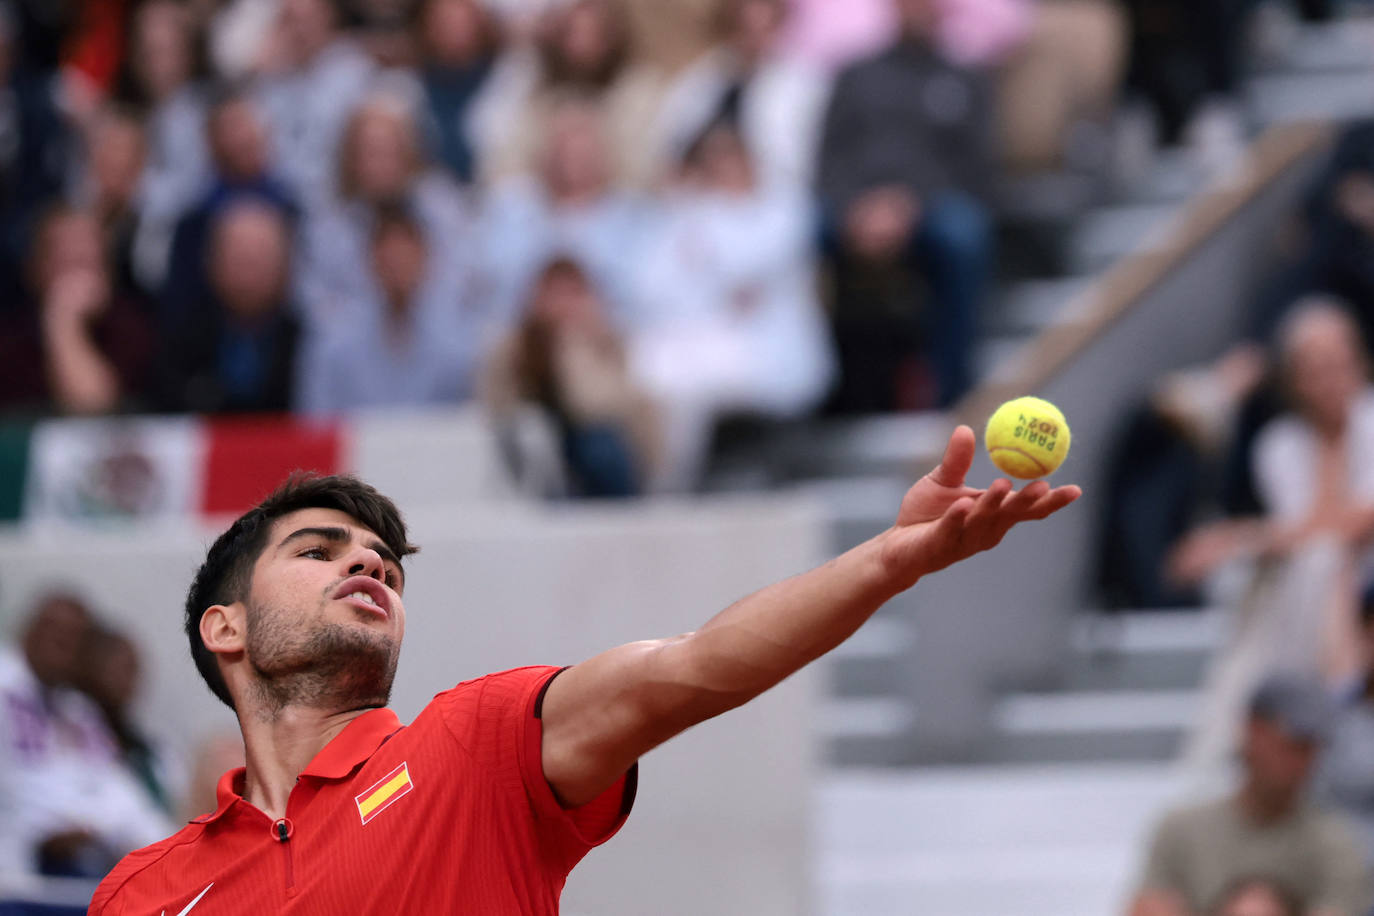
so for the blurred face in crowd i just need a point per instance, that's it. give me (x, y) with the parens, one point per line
(576, 156)
(722, 163)
(1277, 764)
(53, 639)
(565, 299)
(307, 27)
(453, 32)
(110, 670)
(380, 153)
(117, 151)
(68, 242)
(238, 141)
(756, 26)
(588, 35)
(1325, 365)
(162, 42)
(249, 258)
(919, 18)
(398, 260)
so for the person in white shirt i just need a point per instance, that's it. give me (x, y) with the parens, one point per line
(324, 77)
(727, 318)
(67, 805)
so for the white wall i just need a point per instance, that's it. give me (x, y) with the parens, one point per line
(722, 823)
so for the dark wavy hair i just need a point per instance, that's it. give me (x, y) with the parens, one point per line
(227, 573)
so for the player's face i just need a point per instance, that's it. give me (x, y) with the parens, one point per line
(324, 613)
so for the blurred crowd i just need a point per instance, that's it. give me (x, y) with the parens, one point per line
(614, 222)
(81, 783)
(1248, 484)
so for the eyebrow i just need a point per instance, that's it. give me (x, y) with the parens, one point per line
(339, 535)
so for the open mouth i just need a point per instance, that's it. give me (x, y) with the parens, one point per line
(365, 592)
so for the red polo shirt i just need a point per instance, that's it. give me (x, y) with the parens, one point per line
(449, 815)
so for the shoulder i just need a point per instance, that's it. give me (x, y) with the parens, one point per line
(1333, 830)
(1190, 821)
(139, 874)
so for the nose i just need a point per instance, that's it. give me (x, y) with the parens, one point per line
(364, 561)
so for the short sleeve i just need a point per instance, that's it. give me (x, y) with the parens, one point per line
(497, 720)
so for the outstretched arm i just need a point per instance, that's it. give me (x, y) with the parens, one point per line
(602, 715)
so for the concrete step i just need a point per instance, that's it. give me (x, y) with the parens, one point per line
(1105, 235)
(1277, 98)
(985, 840)
(1033, 305)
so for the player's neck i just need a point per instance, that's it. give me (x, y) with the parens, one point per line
(279, 747)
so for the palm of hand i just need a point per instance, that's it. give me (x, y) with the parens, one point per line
(942, 521)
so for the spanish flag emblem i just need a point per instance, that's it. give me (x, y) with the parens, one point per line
(384, 793)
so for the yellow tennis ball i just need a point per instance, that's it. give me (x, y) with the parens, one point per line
(1027, 438)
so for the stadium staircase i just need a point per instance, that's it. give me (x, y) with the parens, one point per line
(1050, 815)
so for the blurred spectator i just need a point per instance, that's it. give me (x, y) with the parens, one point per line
(728, 319)
(1058, 81)
(1300, 557)
(669, 36)
(382, 27)
(322, 77)
(906, 149)
(1345, 778)
(776, 101)
(238, 352)
(413, 346)
(831, 35)
(164, 69)
(238, 145)
(381, 163)
(567, 362)
(68, 807)
(116, 151)
(242, 37)
(1257, 897)
(77, 345)
(108, 672)
(1338, 257)
(1267, 827)
(459, 42)
(569, 208)
(36, 151)
(1166, 462)
(582, 52)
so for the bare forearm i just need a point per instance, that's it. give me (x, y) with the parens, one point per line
(762, 638)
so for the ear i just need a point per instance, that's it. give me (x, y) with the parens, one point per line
(223, 628)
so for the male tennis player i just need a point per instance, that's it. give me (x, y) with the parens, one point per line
(487, 800)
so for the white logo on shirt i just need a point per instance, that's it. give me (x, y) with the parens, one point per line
(193, 902)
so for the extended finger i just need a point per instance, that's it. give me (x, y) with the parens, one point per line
(1023, 499)
(988, 504)
(956, 517)
(957, 460)
(1052, 502)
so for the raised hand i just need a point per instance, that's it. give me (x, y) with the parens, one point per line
(943, 521)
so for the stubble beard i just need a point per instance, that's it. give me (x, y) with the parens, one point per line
(335, 667)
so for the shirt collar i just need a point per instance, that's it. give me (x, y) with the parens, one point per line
(356, 743)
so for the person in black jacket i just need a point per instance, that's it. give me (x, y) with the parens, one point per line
(237, 352)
